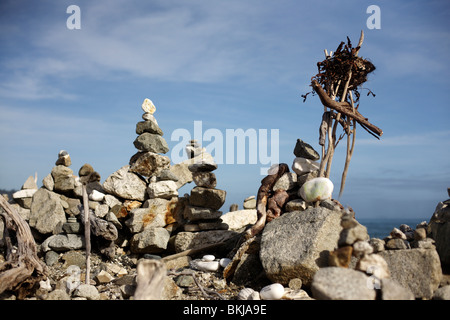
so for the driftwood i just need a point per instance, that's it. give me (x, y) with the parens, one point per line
(150, 280)
(261, 200)
(22, 268)
(346, 109)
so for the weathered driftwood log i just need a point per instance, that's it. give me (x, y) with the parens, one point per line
(22, 268)
(150, 280)
(261, 200)
(345, 108)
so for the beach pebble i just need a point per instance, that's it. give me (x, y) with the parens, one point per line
(317, 189)
(224, 262)
(274, 291)
(208, 257)
(205, 265)
(248, 294)
(148, 106)
(302, 166)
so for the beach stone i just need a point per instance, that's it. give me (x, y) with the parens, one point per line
(304, 150)
(250, 203)
(151, 240)
(301, 179)
(273, 291)
(239, 219)
(349, 236)
(208, 198)
(47, 213)
(317, 189)
(214, 224)
(63, 178)
(203, 166)
(165, 189)
(148, 163)
(125, 184)
(442, 293)
(148, 126)
(373, 264)
(416, 269)
(63, 242)
(87, 291)
(439, 227)
(205, 179)
(297, 244)
(377, 244)
(147, 116)
(30, 183)
(392, 290)
(198, 213)
(151, 142)
(397, 244)
(166, 174)
(296, 205)
(340, 257)
(286, 182)
(148, 106)
(334, 283)
(302, 166)
(190, 240)
(141, 218)
(48, 182)
(63, 159)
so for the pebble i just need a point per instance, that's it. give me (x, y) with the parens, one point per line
(224, 262)
(274, 291)
(248, 294)
(148, 106)
(205, 265)
(316, 189)
(302, 166)
(208, 257)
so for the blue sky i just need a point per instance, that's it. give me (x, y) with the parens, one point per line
(230, 64)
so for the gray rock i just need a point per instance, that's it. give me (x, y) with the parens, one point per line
(203, 166)
(286, 182)
(205, 179)
(239, 219)
(351, 235)
(30, 183)
(48, 182)
(149, 163)
(377, 244)
(87, 291)
(439, 226)
(151, 240)
(166, 174)
(125, 184)
(207, 198)
(416, 269)
(249, 203)
(151, 142)
(63, 242)
(190, 240)
(216, 224)
(51, 257)
(198, 213)
(297, 244)
(63, 178)
(442, 293)
(57, 294)
(165, 189)
(47, 213)
(335, 283)
(142, 218)
(392, 290)
(397, 244)
(304, 150)
(148, 126)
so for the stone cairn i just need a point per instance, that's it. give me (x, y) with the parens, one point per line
(205, 200)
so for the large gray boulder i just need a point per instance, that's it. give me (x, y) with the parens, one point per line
(47, 213)
(416, 269)
(298, 243)
(151, 240)
(439, 228)
(125, 184)
(336, 283)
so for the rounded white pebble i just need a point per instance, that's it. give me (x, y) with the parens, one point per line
(208, 257)
(224, 262)
(274, 291)
(207, 265)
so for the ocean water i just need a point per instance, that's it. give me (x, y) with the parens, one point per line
(380, 228)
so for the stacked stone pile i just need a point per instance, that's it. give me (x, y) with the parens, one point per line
(205, 200)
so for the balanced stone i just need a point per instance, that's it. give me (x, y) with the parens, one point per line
(208, 198)
(148, 126)
(198, 213)
(63, 178)
(205, 179)
(148, 106)
(203, 167)
(317, 189)
(63, 159)
(149, 163)
(126, 185)
(151, 142)
(47, 213)
(162, 189)
(151, 240)
(302, 165)
(304, 150)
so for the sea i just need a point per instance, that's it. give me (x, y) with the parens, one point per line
(380, 227)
